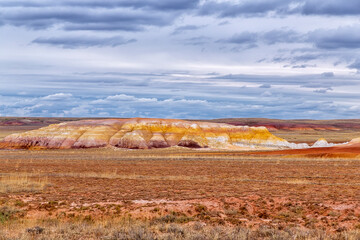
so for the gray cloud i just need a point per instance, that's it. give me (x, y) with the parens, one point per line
(245, 39)
(222, 9)
(302, 66)
(344, 37)
(270, 37)
(265, 86)
(196, 41)
(229, 9)
(328, 74)
(279, 7)
(149, 4)
(186, 28)
(81, 18)
(355, 65)
(83, 41)
(314, 7)
(322, 90)
(281, 36)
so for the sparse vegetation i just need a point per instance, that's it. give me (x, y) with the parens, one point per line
(21, 183)
(7, 213)
(135, 230)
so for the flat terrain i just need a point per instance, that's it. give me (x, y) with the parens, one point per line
(153, 184)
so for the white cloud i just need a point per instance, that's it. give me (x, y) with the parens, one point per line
(57, 96)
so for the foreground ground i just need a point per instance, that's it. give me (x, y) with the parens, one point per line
(178, 187)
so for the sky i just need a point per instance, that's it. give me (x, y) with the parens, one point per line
(189, 59)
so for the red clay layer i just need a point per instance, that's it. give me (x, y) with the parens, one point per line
(349, 150)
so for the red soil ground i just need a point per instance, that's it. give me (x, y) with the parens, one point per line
(185, 186)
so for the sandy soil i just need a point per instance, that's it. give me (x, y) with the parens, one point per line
(216, 189)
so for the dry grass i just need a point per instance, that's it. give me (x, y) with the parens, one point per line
(311, 136)
(42, 178)
(236, 190)
(128, 229)
(21, 183)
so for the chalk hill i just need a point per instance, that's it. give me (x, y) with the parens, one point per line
(138, 133)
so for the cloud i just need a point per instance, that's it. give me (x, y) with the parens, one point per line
(243, 38)
(123, 98)
(328, 74)
(265, 86)
(210, 7)
(266, 94)
(322, 90)
(331, 7)
(86, 18)
(247, 7)
(355, 65)
(303, 66)
(246, 39)
(186, 28)
(343, 37)
(83, 41)
(337, 44)
(211, 96)
(196, 41)
(173, 5)
(252, 39)
(57, 96)
(281, 36)
(231, 9)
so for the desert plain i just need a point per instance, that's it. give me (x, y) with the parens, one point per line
(184, 193)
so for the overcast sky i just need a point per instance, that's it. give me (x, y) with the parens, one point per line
(180, 58)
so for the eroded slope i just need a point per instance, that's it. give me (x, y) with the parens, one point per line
(140, 133)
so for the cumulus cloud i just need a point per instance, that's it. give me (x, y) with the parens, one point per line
(82, 41)
(57, 96)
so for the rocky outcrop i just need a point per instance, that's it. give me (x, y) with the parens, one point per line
(138, 133)
(322, 143)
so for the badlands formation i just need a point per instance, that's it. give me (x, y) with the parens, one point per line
(138, 133)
